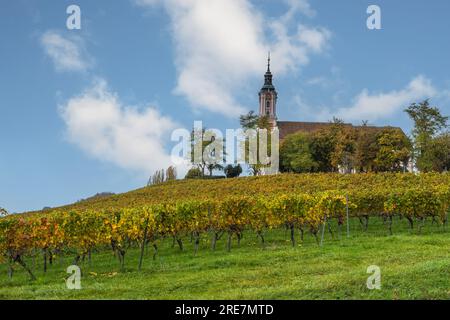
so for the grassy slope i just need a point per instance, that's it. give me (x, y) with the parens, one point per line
(413, 266)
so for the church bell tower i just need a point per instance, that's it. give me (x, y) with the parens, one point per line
(268, 97)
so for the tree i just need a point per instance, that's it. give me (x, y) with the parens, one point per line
(439, 153)
(344, 149)
(197, 139)
(322, 145)
(213, 166)
(249, 120)
(255, 122)
(161, 176)
(194, 173)
(200, 138)
(232, 171)
(394, 151)
(428, 122)
(295, 154)
(171, 173)
(3, 212)
(366, 148)
(157, 178)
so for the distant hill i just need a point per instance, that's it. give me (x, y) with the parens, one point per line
(98, 196)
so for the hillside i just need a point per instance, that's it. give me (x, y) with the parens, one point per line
(257, 186)
(200, 232)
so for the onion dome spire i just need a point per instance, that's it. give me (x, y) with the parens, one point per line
(268, 85)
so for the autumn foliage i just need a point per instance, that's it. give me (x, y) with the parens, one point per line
(296, 202)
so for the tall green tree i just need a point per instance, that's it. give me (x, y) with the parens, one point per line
(428, 122)
(439, 153)
(296, 155)
(171, 173)
(249, 120)
(161, 176)
(254, 121)
(157, 177)
(394, 151)
(324, 143)
(343, 155)
(322, 146)
(366, 148)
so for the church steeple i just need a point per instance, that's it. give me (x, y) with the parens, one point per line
(268, 97)
(268, 76)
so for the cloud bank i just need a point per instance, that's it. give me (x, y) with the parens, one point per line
(367, 106)
(223, 43)
(129, 137)
(376, 106)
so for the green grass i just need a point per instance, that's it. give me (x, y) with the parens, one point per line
(414, 266)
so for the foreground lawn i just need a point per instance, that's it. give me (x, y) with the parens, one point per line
(414, 266)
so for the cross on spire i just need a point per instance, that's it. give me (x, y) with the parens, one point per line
(268, 63)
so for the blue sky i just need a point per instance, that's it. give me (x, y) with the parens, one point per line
(92, 110)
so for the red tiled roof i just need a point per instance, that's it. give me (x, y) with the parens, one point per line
(290, 127)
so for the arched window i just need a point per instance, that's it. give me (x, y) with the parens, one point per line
(268, 107)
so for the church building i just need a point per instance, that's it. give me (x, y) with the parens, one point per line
(268, 104)
(268, 100)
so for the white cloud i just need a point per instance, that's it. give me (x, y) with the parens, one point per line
(129, 137)
(375, 106)
(333, 79)
(383, 105)
(319, 81)
(296, 6)
(314, 38)
(67, 52)
(98, 123)
(221, 44)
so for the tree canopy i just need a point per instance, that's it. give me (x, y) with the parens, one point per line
(346, 148)
(430, 138)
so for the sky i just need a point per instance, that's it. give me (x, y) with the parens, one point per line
(92, 110)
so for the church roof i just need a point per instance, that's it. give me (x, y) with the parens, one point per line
(290, 127)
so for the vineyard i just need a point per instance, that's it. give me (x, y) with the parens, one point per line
(195, 210)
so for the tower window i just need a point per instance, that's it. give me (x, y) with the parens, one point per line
(268, 107)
